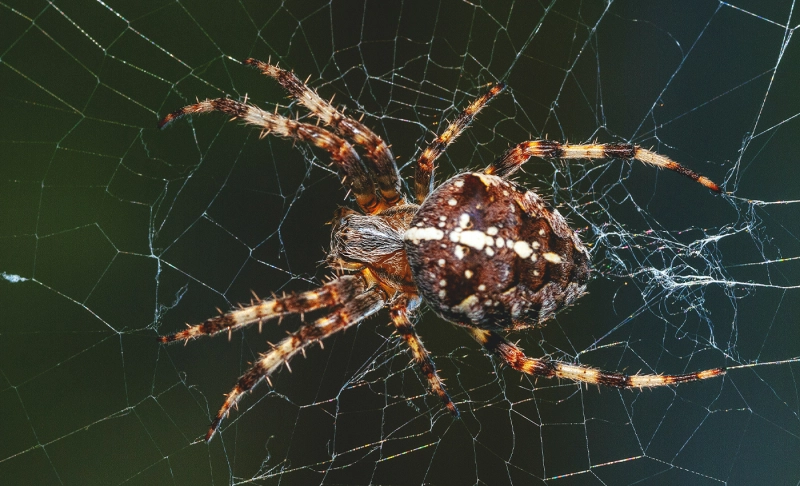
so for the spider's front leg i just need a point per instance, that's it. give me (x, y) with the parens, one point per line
(515, 358)
(405, 328)
(355, 176)
(378, 154)
(332, 293)
(346, 315)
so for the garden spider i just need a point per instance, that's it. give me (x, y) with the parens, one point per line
(480, 250)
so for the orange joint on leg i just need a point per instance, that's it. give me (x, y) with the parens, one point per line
(704, 375)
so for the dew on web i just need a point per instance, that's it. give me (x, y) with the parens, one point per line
(113, 232)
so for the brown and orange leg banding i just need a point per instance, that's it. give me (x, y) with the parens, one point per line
(341, 152)
(514, 157)
(332, 293)
(423, 176)
(405, 329)
(516, 359)
(378, 154)
(344, 316)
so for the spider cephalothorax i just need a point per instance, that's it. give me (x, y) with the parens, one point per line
(480, 250)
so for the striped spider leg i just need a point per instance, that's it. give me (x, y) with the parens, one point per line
(513, 158)
(422, 358)
(423, 176)
(516, 359)
(342, 153)
(347, 298)
(332, 293)
(381, 161)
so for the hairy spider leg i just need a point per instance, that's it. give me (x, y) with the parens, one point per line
(423, 175)
(341, 152)
(404, 327)
(342, 317)
(515, 358)
(514, 157)
(377, 152)
(332, 293)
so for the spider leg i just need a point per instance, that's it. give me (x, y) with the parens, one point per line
(399, 314)
(341, 152)
(344, 316)
(332, 293)
(515, 358)
(514, 157)
(386, 173)
(423, 176)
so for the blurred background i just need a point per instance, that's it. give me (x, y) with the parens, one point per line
(113, 232)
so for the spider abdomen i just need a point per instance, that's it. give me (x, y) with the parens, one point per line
(484, 252)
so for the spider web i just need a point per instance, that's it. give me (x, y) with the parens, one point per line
(112, 232)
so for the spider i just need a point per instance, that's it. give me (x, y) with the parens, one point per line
(481, 251)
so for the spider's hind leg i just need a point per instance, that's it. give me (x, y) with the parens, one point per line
(513, 158)
(515, 358)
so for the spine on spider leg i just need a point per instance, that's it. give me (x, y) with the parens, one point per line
(515, 358)
(384, 169)
(406, 330)
(341, 152)
(513, 158)
(512, 355)
(225, 105)
(328, 295)
(423, 177)
(349, 314)
(662, 161)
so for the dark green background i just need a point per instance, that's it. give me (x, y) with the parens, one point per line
(124, 232)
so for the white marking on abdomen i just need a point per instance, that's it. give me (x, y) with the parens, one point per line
(423, 234)
(523, 249)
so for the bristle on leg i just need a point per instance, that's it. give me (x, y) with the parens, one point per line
(513, 158)
(330, 294)
(422, 358)
(515, 358)
(344, 316)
